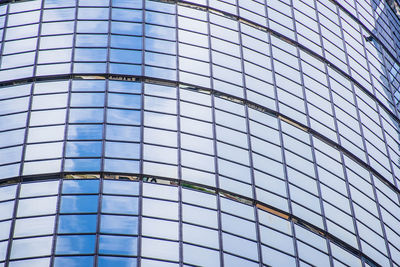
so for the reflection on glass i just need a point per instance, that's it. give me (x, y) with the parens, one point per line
(91, 40)
(77, 224)
(120, 187)
(3, 250)
(47, 117)
(88, 85)
(5, 230)
(201, 256)
(83, 149)
(122, 150)
(90, 54)
(124, 87)
(83, 132)
(51, 87)
(160, 228)
(120, 245)
(89, 68)
(127, 3)
(123, 116)
(78, 204)
(12, 154)
(86, 115)
(48, 42)
(124, 101)
(115, 261)
(126, 28)
(77, 261)
(160, 18)
(75, 244)
(58, 14)
(123, 133)
(53, 56)
(126, 56)
(93, 13)
(51, 28)
(80, 186)
(122, 166)
(87, 26)
(160, 249)
(36, 206)
(43, 166)
(38, 189)
(160, 45)
(6, 210)
(19, 45)
(114, 224)
(34, 226)
(82, 164)
(49, 101)
(120, 205)
(160, 32)
(161, 209)
(17, 60)
(30, 262)
(127, 15)
(128, 42)
(31, 247)
(43, 151)
(14, 91)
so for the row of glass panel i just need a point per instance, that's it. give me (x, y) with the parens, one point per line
(85, 115)
(216, 31)
(163, 217)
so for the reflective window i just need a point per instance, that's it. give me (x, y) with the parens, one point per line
(120, 245)
(75, 244)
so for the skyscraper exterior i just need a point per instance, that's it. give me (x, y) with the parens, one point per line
(199, 133)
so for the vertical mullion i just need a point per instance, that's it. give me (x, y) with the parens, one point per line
(250, 154)
(289, 203)
(310, 136)
(142, 81)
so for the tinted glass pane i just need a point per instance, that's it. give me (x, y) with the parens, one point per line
(120, 245)
(77, 224)
(75, 244)
(79, 204)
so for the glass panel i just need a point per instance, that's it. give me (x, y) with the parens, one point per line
(82, 165)
(120, 245)
(80, 186)
(73, 261)
(7, 192)
(39, 189)
(78, 204)
(75, 244)
(77, 224)
(120, 205)
(122, 133)
(6, 209)
(34, 226)
(114, 224)
(84, 149)
(31, 247)
(43, 262)
(122, 150)
(115, 261)
(36, 206)
(83, 132)
(120, 187)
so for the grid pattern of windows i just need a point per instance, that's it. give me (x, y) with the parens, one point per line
(278, 107)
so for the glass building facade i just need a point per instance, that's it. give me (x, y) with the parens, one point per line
(199, 133)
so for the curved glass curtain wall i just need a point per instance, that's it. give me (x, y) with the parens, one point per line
(295, 113)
